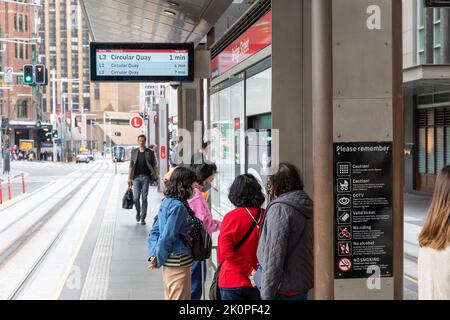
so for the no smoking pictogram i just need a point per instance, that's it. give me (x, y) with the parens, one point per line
(345, 264)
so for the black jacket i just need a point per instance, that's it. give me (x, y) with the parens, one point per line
(150, 160)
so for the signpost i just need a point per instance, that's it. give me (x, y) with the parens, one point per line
(137, 122)
(363, 209)
(26, 145)
(9, 72)
(138, 62)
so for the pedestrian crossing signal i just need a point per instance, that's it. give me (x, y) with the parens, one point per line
(40, 74)
(55, 134)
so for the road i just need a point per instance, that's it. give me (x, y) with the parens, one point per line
(36, 174)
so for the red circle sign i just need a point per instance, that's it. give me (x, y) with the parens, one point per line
(137, 122)
(345, 264)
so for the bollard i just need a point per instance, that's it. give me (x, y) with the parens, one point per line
(23, 182)
(9, 188)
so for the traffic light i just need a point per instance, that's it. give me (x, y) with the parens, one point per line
(40, 74)
(28, 74)
(49, 136)
(55, 134)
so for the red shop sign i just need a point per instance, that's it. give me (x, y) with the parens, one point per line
(256, 38)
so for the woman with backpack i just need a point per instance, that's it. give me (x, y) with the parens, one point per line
(238, 240)
(285, 250)
(205, 175)
(434, 241)
(171, 238)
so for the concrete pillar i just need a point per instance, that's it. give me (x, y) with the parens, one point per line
(445, 38)
(190, 111)
(368, 111)
(291, 84)
(322, 102)
(429, 36)
(409, 116)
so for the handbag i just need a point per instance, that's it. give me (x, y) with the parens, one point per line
(127, 200)
(214, 290)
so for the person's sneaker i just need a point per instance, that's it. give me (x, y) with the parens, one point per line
(138, 218)
(143, 222)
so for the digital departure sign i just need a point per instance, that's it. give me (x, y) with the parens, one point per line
(142, 62)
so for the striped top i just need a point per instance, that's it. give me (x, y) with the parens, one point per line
(176, 261)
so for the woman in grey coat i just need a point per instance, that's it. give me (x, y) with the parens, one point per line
(285, 250)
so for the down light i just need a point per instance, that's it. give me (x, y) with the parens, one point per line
(173, 4)
(170, 13)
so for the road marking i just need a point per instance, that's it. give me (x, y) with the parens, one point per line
(60, 287)
(97, 279)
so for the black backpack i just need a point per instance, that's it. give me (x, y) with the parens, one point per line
(201, 241)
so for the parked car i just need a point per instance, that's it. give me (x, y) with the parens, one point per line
(91, 156)
(82, 158)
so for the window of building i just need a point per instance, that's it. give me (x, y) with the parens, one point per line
(20, 22)
(16, 51)
(15, 22)
(26, 23)
(434, 140)
(21, 56)
(421, 32)
(22, 109)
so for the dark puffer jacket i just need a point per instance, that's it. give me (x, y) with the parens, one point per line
(285, 250)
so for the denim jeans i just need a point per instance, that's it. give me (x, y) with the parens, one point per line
(141, 184)
(196, 279)
(241, 293)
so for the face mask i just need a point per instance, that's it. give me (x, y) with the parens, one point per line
(206, 187)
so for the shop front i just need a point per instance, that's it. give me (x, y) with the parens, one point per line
(240, 110)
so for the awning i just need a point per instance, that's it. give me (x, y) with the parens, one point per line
(152, 20)
(427, 78)
(28, 124)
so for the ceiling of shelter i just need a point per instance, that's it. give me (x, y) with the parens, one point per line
(152, 20)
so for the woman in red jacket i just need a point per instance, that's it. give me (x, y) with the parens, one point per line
(239, 265)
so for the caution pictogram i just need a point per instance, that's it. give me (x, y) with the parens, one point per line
(345, 264)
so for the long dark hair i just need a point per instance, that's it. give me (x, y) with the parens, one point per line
(204, 171)
(180, 184)
(246, 192)
(286, 179)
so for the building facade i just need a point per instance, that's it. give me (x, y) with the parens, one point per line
(426, 55)
(18, 46)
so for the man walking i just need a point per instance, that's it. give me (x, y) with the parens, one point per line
(141, 173)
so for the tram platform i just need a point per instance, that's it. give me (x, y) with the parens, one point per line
(112, 260)
(87, 247)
